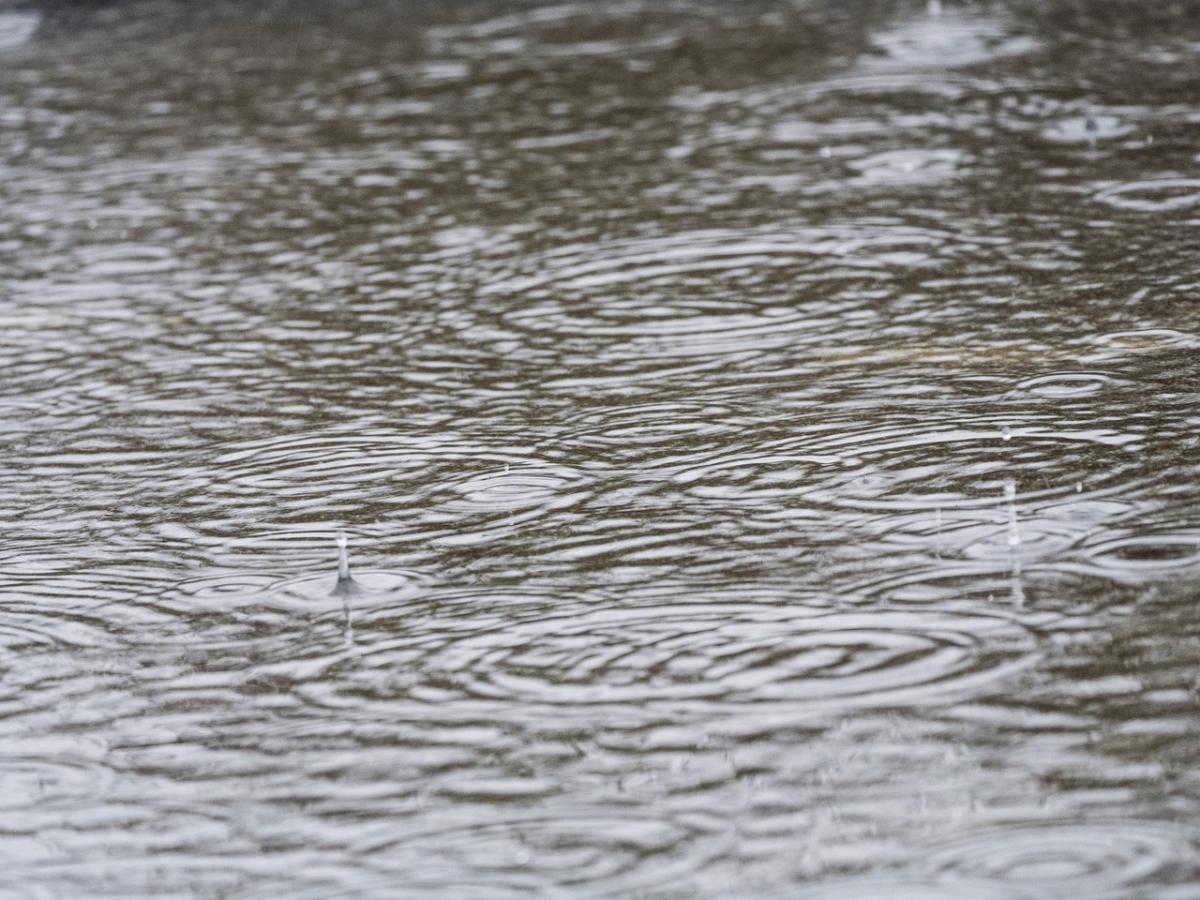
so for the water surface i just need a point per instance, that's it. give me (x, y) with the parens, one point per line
(767, 437)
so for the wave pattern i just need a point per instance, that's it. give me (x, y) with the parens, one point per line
(765, 438)
(711, 656)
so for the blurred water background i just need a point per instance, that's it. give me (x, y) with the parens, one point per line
(767, 435)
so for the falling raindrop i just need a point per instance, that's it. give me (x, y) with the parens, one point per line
(1014, 541)
(1010, 496)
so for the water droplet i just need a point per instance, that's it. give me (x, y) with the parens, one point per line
(1010, 496)
(346, 585)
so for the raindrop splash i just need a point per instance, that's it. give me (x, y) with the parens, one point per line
(346, 585)
(1010, 497)
(1014, 542)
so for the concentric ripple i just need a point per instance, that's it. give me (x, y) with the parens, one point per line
(514, 488)
(908, 888)
(645, 431)
(947, 38)
(1062, 859)
(297, 465)
(1144, 554)
(909, 468)
(586, 852)
(447, 476)
(225, 591)
(686, 294)
(908, 167)
(372, 586)
(43, 776)
(1087, 129)
(738, 654)
(664, 364)
(1060, 385)
(1141, 340)
(754, 476)
(1153, 195)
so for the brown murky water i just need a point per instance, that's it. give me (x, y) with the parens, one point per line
(767, 436)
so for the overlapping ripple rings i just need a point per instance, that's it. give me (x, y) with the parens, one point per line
(1144, 554)
(646, 314)
(706, 654)
(581, 850)
(1065, 859)
(908, 888)
(763, 436)
(735, 656)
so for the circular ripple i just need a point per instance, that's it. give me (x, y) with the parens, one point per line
(902, 469)
(514, 488)
(356, 884)
(25, 625)
(914, 467)
(588, 851)
(731, 653)
(653, 425)
(1153, 195)
(1059, 385)
(224, 589)
(1145, 555)
(372, 585)
(313, 463)
(982, 533)
(445, 476)
(28, 633)
(753, 476)
(907, 888)
(1058, 859)
(1142, 340)
(908, 167)
(43, 780)
(1086, 129)
(939, 583)
(710, 292)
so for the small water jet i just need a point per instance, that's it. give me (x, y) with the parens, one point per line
(346, 586)
(1010, 498)
(1014, 542)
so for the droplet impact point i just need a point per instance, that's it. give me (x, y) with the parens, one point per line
(346, 586)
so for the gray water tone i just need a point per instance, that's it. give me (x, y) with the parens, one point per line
(767, 437)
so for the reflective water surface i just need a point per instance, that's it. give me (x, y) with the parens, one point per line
(767, 435)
